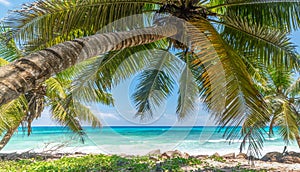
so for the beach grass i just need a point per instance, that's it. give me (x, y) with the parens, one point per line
(107, 163)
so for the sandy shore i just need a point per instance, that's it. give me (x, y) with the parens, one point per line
(228, 162)
(238, 164)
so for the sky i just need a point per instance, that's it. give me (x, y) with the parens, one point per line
(123, 112)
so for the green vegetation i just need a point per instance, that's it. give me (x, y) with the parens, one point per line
(98, 163)
(105, 163)
(217, 158)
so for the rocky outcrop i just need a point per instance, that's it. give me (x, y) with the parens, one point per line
(241, 156)
(229, 156)
(272, 157)
(201, 157)
(154, 152)
(216, 154)
(288, 157)
(173, 154)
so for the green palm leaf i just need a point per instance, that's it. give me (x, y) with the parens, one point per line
(294, 88)
(65, 109)
(12, 114)
(282, 14)
(188, 92)
(242, 100)
(100, 74)
(156, 83)
(57, 21)
(8, 49)
(287, 122)
(267, 45)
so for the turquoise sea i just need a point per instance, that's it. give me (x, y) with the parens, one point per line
(134, 140)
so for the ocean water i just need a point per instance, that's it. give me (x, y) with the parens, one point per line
(134, 140)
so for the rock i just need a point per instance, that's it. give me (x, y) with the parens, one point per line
(216, 154)
(171, 154)
(123, 155)
(154, 158)
(202, 157)
(290, 159)
(229, 156)
(185, 155)
(292, 153)
(272, 156)
(241, 156)
(165, 156)
(12, 156)
(177, 153)
(154, 152)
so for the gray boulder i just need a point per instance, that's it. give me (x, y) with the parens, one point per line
(229, 156)
(241, 156)
(272, 157)
(154, 152)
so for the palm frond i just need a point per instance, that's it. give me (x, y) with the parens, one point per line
(3, 62)
(55, 87)
(156, 83)
(287, 122)
(8, 49)
(294, 88)
(51, 22)
(258, 73)
(269, 46)
(100, 74)
(281, 79)
(253, 138)
(283, 14)
(188, 91)
(65, 108)
(85, 115)
(62, 113)
(240, 99)
(13, 113)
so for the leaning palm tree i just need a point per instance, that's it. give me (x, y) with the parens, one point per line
(208, 34)
(54, 93)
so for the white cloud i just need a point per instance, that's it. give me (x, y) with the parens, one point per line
(107, 115)
(5, 2)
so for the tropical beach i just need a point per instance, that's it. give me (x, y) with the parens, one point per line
(152, 85)
(203, 148)
(135, 141)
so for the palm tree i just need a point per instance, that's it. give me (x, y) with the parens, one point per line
(208, 34)
(54, 94)
(281, 93)
(283, 97)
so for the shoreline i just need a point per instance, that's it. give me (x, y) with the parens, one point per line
(227, 162)
(136, 140)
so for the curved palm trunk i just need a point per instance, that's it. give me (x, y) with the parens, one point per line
(9, 133)
(29, 72)
(298, 140)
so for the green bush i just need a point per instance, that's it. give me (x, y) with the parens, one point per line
(97, 163)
